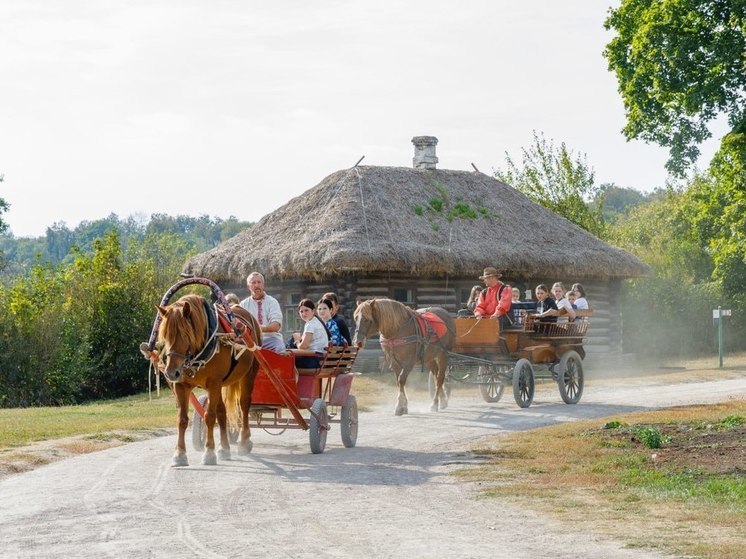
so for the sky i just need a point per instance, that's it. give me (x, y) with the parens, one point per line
(232, 108)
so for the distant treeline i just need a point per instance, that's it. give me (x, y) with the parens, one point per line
(60, 243)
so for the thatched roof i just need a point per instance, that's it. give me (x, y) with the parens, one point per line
(420, 222)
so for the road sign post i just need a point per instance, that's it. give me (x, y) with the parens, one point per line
(718, 315)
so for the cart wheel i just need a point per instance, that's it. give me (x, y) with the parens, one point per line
(570, 377)
(490, 387)
(446, 384)
(199, 431)
(318, 426)
(523, 383)
(349, 423)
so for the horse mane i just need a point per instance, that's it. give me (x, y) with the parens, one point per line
(185, 318)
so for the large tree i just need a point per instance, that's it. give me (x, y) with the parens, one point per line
(679, 64)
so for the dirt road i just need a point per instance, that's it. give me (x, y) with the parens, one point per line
(391, 496)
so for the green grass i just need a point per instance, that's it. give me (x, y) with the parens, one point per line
(691, 485)
(20, 426)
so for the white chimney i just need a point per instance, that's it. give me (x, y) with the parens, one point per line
(424, 152)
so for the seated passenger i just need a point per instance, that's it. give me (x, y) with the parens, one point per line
(563, 305)
(471, 303)
(266, 309)
(344, 330)
(314, 337)
(571, 296)
(581, 302)
(324, 310)
(516, 313)
(546, 308)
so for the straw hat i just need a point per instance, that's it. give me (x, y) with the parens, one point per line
(490, 272)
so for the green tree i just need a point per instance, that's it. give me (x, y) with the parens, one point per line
(720, 212)
(679, 64)
(558, 180)
(661, 233)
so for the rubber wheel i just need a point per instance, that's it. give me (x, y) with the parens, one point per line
(490, 387)
(349, 423)
(446, 384)
(570, 377)
(199, 431)
(523, 383)
(318, 426)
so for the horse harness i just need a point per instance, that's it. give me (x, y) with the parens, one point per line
(429, 330)
(211, 347)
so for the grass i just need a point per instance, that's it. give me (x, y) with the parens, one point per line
(685, 491)
(21, 426)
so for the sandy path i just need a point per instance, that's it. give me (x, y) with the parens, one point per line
(391, 496)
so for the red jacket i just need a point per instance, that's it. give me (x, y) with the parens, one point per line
(489, 305)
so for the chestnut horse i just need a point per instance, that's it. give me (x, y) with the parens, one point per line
(198, 352)
(408, 337)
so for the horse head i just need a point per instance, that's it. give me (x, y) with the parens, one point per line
(182, 334)
(365, 322)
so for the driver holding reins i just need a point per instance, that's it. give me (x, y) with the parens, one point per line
(496, 299)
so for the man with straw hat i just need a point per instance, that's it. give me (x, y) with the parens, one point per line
(496, 299)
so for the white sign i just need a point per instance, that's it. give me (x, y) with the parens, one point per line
(717, 312)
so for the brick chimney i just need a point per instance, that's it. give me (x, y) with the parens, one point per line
(424, 152)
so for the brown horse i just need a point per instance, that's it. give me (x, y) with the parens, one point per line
(198, 352)
(408, 337)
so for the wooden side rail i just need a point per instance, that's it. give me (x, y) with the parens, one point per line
(337, 361)
(577, 328)
(330, 380)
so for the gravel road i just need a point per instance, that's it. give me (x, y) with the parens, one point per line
(391, 496)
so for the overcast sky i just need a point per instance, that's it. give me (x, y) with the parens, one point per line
(235, 107)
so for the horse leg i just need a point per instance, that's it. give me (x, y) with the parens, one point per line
(224, 452)
(181, 392)
(209, 457)
(402, 402)
(244, 441)
(438, 370)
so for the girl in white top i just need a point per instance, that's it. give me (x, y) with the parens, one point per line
(558, 290)
(314, 336)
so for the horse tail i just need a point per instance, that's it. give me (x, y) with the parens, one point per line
(232, 401)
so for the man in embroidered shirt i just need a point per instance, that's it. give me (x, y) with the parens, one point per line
(496, 299)
(266, 309)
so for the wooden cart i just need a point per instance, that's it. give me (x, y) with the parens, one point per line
(490, 358)
(288, 398)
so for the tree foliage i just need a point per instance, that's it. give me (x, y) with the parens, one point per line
(70, 333)
(558, 180)
(679, 64)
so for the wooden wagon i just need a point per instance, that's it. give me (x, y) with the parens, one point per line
(490, 357)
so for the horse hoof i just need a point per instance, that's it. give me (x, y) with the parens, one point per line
(434, 407)
(179, 461)
(209, 459)
(245, 450)
(224, 454)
